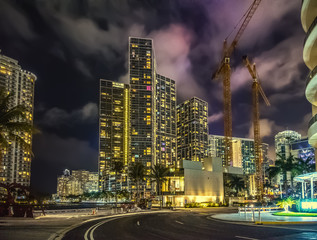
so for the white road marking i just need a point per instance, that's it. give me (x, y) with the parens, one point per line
(91, 230)
(59, 235)
(241, 237)
(179, 222)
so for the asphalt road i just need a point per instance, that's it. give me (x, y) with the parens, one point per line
(184, 225)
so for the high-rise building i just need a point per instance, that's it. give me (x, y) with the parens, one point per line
(283, 142)
(309, 23)
(242, 149)
(143, 102)
(15, 165)
(77, 183)
(92, 183)
(165, 121)
(114, 133)
(192, 130)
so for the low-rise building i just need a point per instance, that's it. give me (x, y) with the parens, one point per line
(197, 182)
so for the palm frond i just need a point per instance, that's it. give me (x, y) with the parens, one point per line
(24, 127)
(3, 142)
(4, 100)
(13, 113)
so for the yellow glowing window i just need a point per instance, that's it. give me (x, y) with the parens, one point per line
(102, 133)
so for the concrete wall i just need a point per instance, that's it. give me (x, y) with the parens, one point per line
(208, 182)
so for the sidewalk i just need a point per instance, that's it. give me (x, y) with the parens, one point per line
(265, 218)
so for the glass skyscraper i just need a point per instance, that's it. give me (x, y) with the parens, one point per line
(243, 152)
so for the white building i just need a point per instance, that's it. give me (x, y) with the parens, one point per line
(15, 165)
(198, 182)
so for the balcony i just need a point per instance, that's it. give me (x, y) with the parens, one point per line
(310, 46)
(308, 13)
(312, 131)
(311, 87)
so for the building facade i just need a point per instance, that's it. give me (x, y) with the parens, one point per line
(309, 23)
(283, 142)
(302, 149)
(15, 165)
(77, 183)
(114, 133)
(166, 139)
(242, 149)
(192, 130)
(143, 104)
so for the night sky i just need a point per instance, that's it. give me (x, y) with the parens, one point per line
(71, 44)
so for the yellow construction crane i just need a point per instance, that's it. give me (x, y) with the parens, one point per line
(256, 89)
(224, 72)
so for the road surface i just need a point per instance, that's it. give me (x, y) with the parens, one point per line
(184, 225)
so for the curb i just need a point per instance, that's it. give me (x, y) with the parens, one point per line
(263, 223)
(285, 223)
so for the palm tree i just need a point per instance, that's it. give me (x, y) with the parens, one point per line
(284, 165)
(236, 183)
(159, 173)
(117, 167)
(137, 174)
(306, 165)
(13, 123)
(286, 203)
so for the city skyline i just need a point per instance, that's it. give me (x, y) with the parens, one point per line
(69, 64)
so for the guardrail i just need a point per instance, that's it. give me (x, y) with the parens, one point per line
(312, 120)
(311, 75)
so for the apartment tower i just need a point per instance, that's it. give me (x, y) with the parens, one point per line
(192, 130)
(166, 139)
(143, 102)
(114, 134)
(15, 165)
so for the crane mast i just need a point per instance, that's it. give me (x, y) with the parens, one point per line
(256, 89)
(224, 72)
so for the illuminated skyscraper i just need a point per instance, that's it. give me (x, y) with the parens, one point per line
(15, 165)
(283, 142)
(165, 120)
(243, 152)
(309, 23)
(192, 130)
(143, 102)
(114, 133)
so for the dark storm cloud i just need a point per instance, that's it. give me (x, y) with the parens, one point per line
(54, 154)
(56, 117)
(14, 23)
